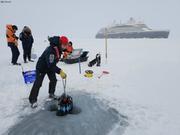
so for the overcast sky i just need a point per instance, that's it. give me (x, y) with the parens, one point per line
(83, 18)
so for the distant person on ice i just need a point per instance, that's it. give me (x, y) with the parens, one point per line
(27, 41)
(47, 65)
(12, 41)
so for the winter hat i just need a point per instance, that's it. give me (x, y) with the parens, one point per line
(14, 27)
(26, 29)
(63, 40)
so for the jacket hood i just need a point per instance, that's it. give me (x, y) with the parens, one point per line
(54, 41)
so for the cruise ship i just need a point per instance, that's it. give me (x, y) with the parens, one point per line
(131, 29)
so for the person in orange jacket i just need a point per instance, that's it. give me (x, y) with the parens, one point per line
(69, 49)
(12, 41)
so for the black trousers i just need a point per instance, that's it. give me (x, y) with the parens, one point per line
(15, 52)
(27, 52)
(38, 83)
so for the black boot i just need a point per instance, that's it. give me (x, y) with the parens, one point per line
(31, 60)
(98, 57)
(17, 64)
(53, 96)
(34, 105)
(92, 63)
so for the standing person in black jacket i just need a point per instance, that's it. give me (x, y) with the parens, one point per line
(47, 65)
(27, 41)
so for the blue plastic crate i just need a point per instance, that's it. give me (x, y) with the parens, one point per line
(29, 76)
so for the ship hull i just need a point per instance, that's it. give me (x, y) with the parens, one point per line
(146, 34)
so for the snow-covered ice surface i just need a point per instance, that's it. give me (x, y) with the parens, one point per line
(89, 121)
(143, 84)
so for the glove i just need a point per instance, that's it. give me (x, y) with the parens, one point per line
(63, 74)
(16, 43)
